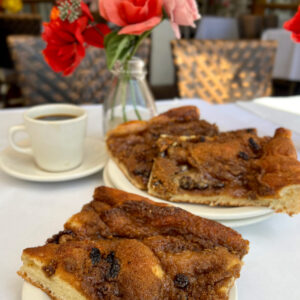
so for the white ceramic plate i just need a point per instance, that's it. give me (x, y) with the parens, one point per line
(106, 179)
(120, 181)
(228, 223)
(30, 292)
(22, 166)
(245, 222)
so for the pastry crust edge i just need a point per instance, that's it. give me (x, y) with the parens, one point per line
(124, 170)
(287, 200)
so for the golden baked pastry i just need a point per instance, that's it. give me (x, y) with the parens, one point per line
(123, 246)
(179, 158)
(231, 169)
(132, 144)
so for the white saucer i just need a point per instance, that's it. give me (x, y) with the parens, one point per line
(30, 292)
(22, 166)
(119, 180)
(229, 223)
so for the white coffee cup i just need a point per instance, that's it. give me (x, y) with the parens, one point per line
(56, 145)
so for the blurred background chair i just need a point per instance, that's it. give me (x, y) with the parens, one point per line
(250, 26)
(39, 84)
(217, 28)
(21, 23)
(162, 73)
(286, 73)
(224, 71)
(11, 24)
(225, 28)
(288, 54)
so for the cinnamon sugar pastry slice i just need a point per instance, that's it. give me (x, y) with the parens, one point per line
(235, 168)
(132, 145)
(123, 246)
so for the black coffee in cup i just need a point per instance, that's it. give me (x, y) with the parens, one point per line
(56, 117)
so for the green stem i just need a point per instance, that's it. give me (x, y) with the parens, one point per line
(112, 116)
(138, 43)
(124, 94)
(126, 79)
(139, 40)
(134, 101)
(124, 91)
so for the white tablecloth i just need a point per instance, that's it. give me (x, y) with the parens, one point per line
(283, 111)
(32, 212)
(287, 60)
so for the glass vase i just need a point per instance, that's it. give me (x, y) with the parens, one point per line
(130, 97)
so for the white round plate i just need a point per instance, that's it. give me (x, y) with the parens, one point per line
(120, 181)
(106, 179)
(228, 223)
(22, 166)
(245, 222)
(30, 292)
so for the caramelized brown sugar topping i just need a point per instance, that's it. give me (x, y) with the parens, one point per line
(237, 163)
(133, 144)
(106, 269)
(123, 246)
(129, 269)
(114, 213)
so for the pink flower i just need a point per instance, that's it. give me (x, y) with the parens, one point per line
(134, 16)
(181, 12)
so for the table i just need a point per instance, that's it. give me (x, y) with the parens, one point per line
(32, 212)
(287, 57)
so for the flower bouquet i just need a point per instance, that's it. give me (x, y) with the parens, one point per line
(72, 29)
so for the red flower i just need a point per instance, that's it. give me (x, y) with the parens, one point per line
(94, 35)
(293, 25)
(135, 16)
(66, 42)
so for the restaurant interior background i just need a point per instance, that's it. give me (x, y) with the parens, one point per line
(221, 19)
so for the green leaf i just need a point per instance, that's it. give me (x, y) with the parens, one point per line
(117, 47)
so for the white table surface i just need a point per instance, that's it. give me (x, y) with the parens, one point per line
(32, 212)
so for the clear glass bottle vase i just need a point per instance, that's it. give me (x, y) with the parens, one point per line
(130, 97)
